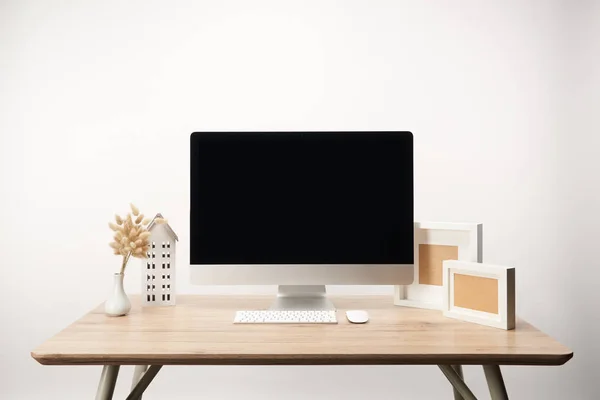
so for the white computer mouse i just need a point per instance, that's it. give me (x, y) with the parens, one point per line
(357, 316)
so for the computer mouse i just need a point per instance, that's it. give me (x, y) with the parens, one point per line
(357, 316)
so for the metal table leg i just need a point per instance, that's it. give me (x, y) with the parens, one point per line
(108, 380)
(144, 381)
(493, 376)
(459, 372)
(457, 382)
(138, 372)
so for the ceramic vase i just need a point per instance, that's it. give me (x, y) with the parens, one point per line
(118, 303)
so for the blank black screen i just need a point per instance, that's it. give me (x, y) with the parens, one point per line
(301, 198)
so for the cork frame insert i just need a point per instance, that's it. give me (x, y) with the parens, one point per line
(476, 293)
(431, 258)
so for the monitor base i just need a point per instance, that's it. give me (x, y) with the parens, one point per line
(302, 297)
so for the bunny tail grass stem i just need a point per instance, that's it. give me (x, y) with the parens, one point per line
(125, 260)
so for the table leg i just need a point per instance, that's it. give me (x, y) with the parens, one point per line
(493, 376)
(144, 381)
(108, 380)
(457, 382)
(459, 372)
(138, 372)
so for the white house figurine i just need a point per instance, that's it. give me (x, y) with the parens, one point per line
(158, 270)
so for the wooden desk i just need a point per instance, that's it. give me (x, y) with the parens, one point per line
(199, 331)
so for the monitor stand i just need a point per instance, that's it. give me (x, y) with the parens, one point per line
(302, 297)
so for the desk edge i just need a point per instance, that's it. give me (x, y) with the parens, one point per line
(304, 359)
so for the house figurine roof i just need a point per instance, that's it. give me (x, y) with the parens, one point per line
(171, 231)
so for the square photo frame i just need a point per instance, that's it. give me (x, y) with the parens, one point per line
(480, 293)
(435, 242)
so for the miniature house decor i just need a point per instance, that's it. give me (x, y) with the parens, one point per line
(158, 270)
(480, 293)
(434, 243)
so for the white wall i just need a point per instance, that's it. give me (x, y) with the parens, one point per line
(98, 98)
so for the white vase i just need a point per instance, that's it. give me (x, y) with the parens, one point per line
(118, 303)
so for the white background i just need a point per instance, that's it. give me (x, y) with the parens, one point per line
(98, 98)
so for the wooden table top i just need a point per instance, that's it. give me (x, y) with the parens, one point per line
(200, 331)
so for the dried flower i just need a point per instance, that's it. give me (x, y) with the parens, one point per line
(144, 235)
(131, 236)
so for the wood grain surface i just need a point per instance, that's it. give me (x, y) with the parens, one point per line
(199, 331)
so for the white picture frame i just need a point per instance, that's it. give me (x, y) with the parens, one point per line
(503, 316)
(465, 237)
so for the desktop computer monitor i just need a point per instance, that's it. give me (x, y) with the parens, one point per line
(301, 210)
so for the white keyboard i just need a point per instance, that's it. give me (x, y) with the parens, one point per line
(285, 317)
